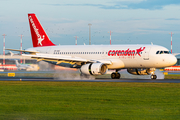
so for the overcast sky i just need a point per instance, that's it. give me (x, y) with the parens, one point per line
(131, 21)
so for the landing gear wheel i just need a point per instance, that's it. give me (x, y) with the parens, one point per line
(153, 76)
(118, 75)
(115, 75)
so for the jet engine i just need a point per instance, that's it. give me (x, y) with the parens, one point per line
(93, 69)
(136, 71)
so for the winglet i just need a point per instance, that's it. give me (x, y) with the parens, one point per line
(39, 36)
(17, 63)
(11, 53)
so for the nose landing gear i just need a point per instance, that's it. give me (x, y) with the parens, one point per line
(152, 72)
(153, 76)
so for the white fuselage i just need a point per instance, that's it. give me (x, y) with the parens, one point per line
(121, 56)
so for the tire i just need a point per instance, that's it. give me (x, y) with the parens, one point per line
(113, 75)
(118, 75)
(153, 77)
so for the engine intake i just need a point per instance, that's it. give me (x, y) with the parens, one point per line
(93, 69)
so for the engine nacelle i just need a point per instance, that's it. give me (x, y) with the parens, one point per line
(136, 71)
(93, 69)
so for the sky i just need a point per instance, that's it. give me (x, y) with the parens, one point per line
(131, 21)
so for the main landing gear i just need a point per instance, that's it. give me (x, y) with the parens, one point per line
(115, 75)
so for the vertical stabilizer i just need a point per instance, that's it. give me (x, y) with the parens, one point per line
(39, 36)
(17, 63)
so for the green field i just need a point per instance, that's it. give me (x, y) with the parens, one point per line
(23, 100)
(172, 76)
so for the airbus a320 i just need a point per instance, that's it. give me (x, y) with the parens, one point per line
(97, 59)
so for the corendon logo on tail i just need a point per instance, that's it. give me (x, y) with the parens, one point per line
(40, 38)
(127, 52)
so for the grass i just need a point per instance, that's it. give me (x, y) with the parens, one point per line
(175, 76)
(88, 100)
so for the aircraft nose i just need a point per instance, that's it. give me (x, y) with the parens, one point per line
(173, 60)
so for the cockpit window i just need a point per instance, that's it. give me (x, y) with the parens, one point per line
(162, 52)
(166, 52)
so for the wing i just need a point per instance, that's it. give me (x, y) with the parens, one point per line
(31, 52)
(59, 58)
(63, 59)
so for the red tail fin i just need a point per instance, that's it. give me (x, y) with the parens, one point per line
(39, 36)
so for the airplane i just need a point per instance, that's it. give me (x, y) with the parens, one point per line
(25, 67)
(98, 59)
(21, 66)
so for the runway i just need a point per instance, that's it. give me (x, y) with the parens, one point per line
(89, 80)
(73, 76)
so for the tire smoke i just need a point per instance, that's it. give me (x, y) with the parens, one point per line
(71, 75)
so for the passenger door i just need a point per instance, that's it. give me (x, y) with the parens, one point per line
(146, 53)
